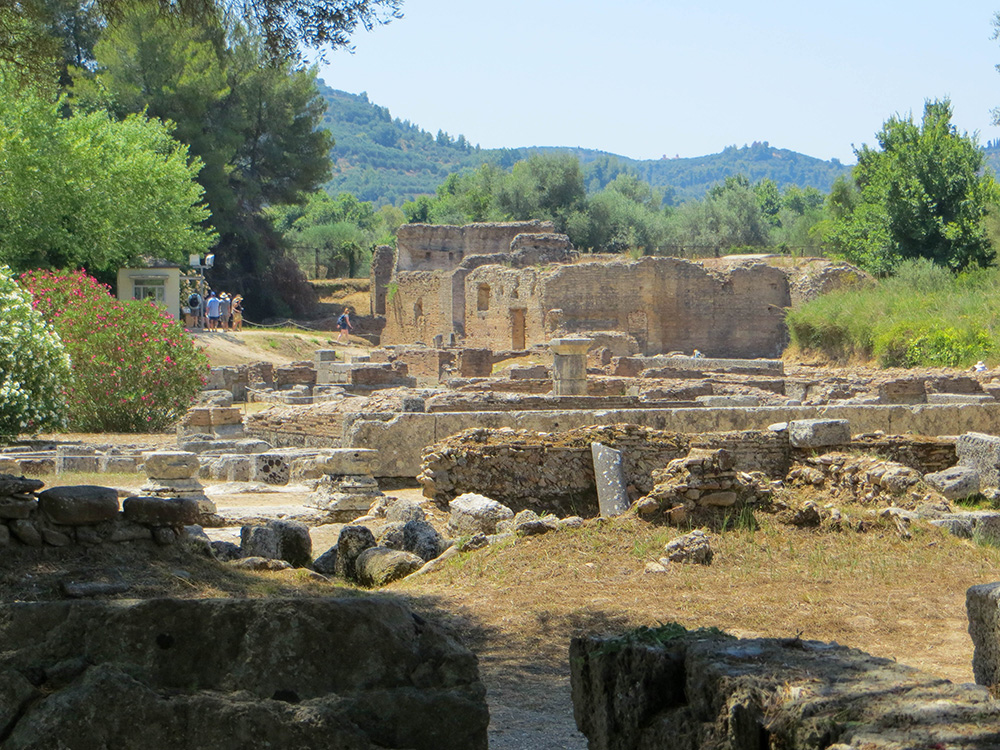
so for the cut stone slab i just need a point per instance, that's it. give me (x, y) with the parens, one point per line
(960, 398)
(609, 473)
(818, 433)
(345, 498)
(956, 483)
(79, 505)
(380, 566)
(980, 452)
(170, 465)
(352, 541)
(278, 540)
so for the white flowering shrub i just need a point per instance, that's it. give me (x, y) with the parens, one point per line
(34, 366)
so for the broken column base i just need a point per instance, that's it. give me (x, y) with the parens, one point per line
(345, 497)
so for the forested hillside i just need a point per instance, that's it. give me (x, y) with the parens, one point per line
(385, 160)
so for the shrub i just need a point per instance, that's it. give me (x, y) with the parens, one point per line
(34, 367)
(134, 368)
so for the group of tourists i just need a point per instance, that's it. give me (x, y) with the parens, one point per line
(220, 312)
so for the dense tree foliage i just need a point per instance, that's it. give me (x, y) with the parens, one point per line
(253, 125)
(334, 237)
(91, 191)
(921, 194)
(32, 31)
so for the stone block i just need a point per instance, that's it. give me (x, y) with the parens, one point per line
(37, 467)
(76, 458)
(982, 605)
(956, 483)
(221, 417)
(270, 468)
(476, 514)
(278, 540)
(79, 505)
(336, 462)
(403, 511)
(728, 401)
(117, 464)
(26, 532)
(380, 566)
(819, 433)
(960, 398)
(170, 465)
(161, 511)
(980, 452)
(609, 473)
(17, 507)
(352, 541)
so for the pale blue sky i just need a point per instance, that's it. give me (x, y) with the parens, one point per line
(643, 78)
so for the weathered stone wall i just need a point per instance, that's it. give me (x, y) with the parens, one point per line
(711, 692)
(555, 472)
(228, 674)
(666, 304)
(429, 247)
(419, 309)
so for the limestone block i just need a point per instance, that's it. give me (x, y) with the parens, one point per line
(270, 468)
(728, 401)
(76, 458)
(956, 483)
(327, 562)
(352, 541)
(398, 438)
(174, 487)
(336, 462)
(818, 433)
(422, 539)
(380, 566)
(161, 511)
(403, 511)
(215, 397)
(982, 604)
(476, 514)
(220, 416)
(170, 465)
(198, 417)
(960, 398)
(980, 452)
(278, 540)
(79, 505)
(117, 464)
(37, 466)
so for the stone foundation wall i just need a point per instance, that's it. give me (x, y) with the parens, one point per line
(656, 689)
(555, 472)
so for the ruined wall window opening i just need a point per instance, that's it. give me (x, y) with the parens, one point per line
(483, 298)
(418, 310)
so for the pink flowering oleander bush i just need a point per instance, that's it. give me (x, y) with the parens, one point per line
(133, 367)
(34, 366)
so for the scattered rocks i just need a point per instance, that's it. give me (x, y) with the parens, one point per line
(693, 547)
(475, 514)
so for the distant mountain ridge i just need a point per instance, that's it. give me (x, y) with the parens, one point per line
(383, 159)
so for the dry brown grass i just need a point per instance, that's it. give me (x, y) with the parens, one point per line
(903, 599)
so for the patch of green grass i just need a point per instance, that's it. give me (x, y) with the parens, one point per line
(923, 316)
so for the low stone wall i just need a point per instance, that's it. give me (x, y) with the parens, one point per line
(86, 515)
(653, 689)
(228, 674)
(555, 472)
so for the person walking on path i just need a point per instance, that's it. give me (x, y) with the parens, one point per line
(344, 325)
(212, 310)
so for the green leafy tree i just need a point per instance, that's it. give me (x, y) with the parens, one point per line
(91, 191)
(34, 366)
(921, 194)
(254, 125)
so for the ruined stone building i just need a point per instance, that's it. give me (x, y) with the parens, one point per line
(513, 285)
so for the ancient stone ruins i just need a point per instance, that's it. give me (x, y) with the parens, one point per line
(527, 390)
